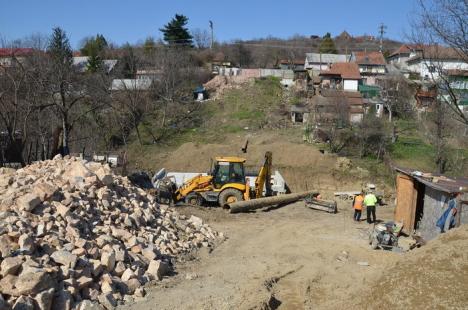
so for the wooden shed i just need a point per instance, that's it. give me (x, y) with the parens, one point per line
(421, 199)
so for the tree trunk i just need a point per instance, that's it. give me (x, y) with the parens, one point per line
(65, 134)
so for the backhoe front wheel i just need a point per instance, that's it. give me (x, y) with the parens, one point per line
(228, 196)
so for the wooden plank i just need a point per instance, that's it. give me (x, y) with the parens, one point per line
(406, 202)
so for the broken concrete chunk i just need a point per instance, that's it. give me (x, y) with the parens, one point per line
(157, 269)
(108, 301)
(10, 265)
(24, 303)
(108, 260)
(64, 258)
(28, 202)
(44, 299)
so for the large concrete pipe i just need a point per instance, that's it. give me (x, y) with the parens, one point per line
(247, 205)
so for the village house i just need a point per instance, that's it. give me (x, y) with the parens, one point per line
(337, 108)
(319, 61)
(421, 199)
(81, 63)
(341, 76)
(402, 54)
(435, 60)
(295, 65)
(8, 54)
(371, 65)
(458, 81)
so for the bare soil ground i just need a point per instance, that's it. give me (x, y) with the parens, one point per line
(297, 258)
(288, 258)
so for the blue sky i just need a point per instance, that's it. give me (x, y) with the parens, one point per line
(130, 21)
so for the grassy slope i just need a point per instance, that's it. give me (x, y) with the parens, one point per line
(252, 105)
(247, 107)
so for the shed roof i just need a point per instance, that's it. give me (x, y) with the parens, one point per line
(326, 58)
(437, 181)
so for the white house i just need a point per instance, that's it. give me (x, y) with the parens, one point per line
(434, 60)
(319, 61)
(402, 54)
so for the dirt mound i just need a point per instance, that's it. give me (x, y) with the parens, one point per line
(219, 84)
(433, 276)
(302, 165)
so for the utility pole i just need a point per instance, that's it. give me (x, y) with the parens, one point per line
(382, 28)
(212, 36)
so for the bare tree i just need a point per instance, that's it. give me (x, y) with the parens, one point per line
(201, 37)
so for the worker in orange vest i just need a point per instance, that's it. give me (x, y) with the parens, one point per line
(357, 205)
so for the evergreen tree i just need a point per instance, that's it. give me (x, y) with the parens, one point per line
(94, 48)
(327, 46)
(59, 48)
(175, 32)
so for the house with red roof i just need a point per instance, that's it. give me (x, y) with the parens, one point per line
(371, 65)
(402, 54)
(341, 76)
(8, 55)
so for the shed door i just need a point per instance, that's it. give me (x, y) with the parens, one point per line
(406, 202)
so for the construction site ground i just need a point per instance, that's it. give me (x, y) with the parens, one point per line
(291, 257)
(294, 257)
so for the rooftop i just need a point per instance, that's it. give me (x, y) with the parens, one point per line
(326, 58)
(9, 52)
(437, 181)
(347, 70)
(369, 58)
(437, 52)
(406, 49)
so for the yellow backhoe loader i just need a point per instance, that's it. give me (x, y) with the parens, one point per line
(227, 183)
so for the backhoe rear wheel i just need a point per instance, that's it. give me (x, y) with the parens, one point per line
(228, 196)
(193, 199)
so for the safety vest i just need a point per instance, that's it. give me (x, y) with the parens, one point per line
(358, 200)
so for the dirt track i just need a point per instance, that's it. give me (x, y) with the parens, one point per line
(288, 258)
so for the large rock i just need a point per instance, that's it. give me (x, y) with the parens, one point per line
(28, 202)
(10, 265)
(62, 300)
(7, 245)
(108, 301)
(44, 190)
(64, 258)
(76, 173)
(108, 260)
(44, 299)
(26, 243)
(28, 283)
(24, 303)
(89, 305)
(157, 269)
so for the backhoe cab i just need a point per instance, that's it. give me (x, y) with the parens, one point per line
(227, 183)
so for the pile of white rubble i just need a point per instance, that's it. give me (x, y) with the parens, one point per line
(75, 236)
